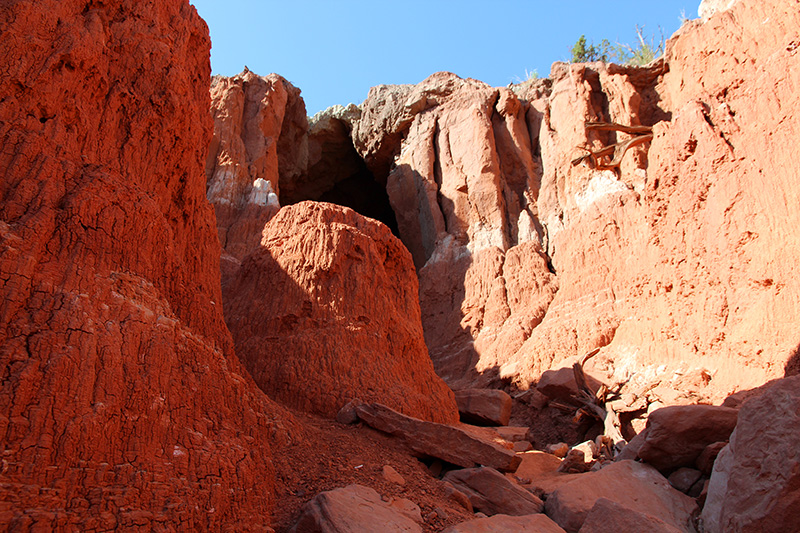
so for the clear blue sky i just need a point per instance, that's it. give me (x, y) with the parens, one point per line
(334, 51)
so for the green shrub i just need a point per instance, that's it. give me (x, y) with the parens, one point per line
(642, 53)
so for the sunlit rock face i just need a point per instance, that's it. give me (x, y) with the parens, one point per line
(260, 139)
(122, 405)
(679, 262)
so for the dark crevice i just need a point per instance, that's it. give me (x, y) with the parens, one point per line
(339, 175)
(437, 174)
(361, 193)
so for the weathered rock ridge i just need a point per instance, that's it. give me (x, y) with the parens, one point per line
(122, 404)
(326, 312)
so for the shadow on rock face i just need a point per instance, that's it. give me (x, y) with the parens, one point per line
(792, 367)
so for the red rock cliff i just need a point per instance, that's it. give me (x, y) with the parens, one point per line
(681, 260)
(259, 141)
(122, 404)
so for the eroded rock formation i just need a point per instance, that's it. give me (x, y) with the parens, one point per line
(259, 141)
(668, 263)
(326, 311)
(122, 403)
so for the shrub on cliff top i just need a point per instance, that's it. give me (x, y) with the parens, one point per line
(642, 53)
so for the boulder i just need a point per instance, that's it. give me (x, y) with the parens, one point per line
(683, 479)
(326, 311)
(705, 461)
(677, 435)
(535, 463)
(560, 384)
(631, 450)
(607, 515)
(352, 509)
(535, 523)
(755, 484)
(484, 406)
(575, 462)
(123, 405)
(635, 485)
(428, 439)
(493, 493)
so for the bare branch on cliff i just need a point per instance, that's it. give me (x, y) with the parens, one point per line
(641, 135)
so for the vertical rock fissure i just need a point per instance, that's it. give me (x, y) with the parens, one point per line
(437, 173)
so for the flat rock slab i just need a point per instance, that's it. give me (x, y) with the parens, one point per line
(634, 485)
(352, 509)
(608, 516)
(677, 435)
(512, 433)
(492, 493)
(535, 523)
(484, 406)
(540, 469)
(441, 441)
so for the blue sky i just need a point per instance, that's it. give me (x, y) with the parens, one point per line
(334, 51)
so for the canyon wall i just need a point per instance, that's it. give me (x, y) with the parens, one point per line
(678, 262)
(122, 404)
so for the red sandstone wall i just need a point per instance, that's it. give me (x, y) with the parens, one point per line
(121, 403)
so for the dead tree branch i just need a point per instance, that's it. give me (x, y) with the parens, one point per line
(594, 402)
(640, 135)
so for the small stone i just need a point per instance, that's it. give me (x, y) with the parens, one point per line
(522, 446)
(574, 462)
(408, 508)
(390, 474)
(684, 478)
(559, 450)
(347, 414)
